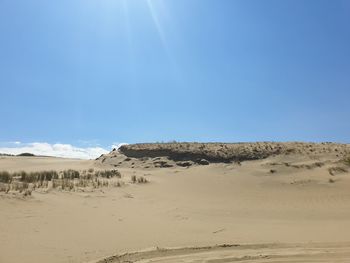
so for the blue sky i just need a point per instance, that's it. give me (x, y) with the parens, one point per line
(94, 73)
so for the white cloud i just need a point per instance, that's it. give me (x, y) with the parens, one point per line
(57, 149)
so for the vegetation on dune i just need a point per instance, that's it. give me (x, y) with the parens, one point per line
(133, 179)
(228, 152)
(5, 177)
(108, 174)
(36, 176)
(70, 174)
(25, 182)
(140, 180)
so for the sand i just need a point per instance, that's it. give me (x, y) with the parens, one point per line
(281, 208)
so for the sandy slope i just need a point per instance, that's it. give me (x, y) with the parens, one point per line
(291, 215)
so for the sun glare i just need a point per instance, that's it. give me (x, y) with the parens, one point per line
(155, 17)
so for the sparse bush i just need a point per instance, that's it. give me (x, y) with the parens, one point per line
(331, 180)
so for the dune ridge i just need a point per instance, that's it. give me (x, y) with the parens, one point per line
(226, 152)
(165, 155)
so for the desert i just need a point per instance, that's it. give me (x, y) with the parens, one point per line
(174, 131)
(180, 202)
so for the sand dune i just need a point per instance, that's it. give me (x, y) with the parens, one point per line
(291, 206)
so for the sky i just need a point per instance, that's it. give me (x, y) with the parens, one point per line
(78, 77)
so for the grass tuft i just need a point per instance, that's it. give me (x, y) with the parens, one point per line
(133, 179)
(142, 180)
(5, 177)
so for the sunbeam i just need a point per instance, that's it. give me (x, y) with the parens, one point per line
(154, 10)
(157, 22)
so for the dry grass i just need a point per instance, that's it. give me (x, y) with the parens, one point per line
(133, 179)
(139, 180)
(5, 177)
(142, 180)
(36, 176)
(68, 180)
(108, 174)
